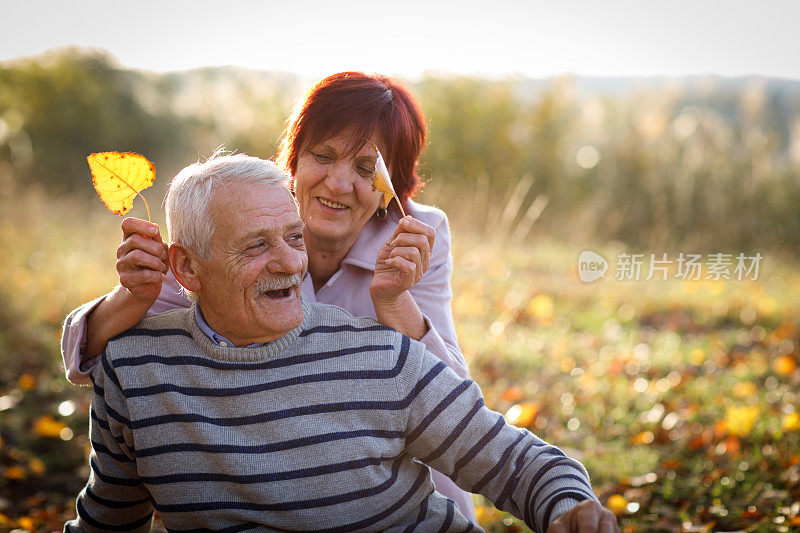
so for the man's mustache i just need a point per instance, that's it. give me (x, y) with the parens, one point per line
(277, 283)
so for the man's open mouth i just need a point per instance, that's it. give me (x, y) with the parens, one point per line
(278, 288)
(279, 293)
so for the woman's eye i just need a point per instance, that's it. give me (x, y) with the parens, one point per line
(367, 172)
(322, 158)
(256, 245)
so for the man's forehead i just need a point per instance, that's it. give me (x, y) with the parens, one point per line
(255, 205)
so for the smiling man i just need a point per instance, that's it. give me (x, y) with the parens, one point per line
(257, 410)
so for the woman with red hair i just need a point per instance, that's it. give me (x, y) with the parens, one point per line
(362, 256)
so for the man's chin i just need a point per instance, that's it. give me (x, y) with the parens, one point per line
(286, 310)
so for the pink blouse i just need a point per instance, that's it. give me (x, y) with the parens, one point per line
(348, 288)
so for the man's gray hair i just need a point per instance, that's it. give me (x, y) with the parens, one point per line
(191, 191)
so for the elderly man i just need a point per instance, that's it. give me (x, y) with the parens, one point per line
(256, 410)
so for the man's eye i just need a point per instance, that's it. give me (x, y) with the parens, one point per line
(296, 238)
(256, 245)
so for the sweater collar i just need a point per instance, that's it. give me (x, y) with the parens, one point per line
(252, 353)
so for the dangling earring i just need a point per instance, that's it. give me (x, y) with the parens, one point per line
(291, 186)
(381, 213)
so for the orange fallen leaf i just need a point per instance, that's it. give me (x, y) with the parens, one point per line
(523, 414)
(47, 426)
(37, 467)
(383, 182)
(784, 365)
(26, 523)
(26, 382)
(119, 177)
(512, 394)
(645, 437)
(15, 472)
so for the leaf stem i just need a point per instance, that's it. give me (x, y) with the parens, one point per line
(148, 207)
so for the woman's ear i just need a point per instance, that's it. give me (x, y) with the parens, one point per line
(184, 267)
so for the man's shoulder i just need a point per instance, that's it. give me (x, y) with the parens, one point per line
(346, 329)
(328, 318)
(177, 322)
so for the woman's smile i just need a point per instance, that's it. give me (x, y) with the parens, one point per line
(333, 186)
(331, 204)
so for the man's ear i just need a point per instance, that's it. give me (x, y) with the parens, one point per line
(184, 267)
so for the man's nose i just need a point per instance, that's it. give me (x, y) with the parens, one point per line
(286, 260)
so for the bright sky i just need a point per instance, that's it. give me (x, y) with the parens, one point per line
(409, 37)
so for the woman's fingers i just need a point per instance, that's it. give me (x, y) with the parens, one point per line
(133, 279)
(137, 226)
(417, 241)
(411, 255)
(148, 246)
(139, 259)
(412, 225)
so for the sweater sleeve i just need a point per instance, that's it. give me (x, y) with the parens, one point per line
(433, 295)
(450, 429)
(114, 498)
(77, 363)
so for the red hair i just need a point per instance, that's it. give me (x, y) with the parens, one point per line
(368, 104)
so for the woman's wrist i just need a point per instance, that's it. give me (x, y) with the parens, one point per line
(401, 313)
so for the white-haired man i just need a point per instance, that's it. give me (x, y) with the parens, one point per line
(256, 410)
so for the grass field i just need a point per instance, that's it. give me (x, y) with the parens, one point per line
(682, 398)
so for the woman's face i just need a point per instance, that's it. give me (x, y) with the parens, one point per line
(334, 189)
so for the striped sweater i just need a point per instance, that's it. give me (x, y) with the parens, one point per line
(324, 429)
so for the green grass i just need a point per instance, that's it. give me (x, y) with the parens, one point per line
(648, 383)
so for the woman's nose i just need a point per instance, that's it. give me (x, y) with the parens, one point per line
(339, 178)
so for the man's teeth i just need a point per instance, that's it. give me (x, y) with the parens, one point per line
(334, 205)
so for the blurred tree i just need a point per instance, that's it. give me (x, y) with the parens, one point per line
(65, 105)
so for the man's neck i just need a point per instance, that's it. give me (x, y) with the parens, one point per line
(223, 339)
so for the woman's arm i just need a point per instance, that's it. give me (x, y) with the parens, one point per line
(142, 267)
(416, 302)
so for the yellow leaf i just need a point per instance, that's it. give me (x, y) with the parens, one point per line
(383, 182)
(541, 307)
(745, 389)
(791, 422)
(739, 421)
(617, 504)
(47, 426)
(118, 178)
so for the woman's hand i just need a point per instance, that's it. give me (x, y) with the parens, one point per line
(142, 260)
(142, 264)
(402, 260)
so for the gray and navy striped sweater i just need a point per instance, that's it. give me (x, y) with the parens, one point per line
(325, 429)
